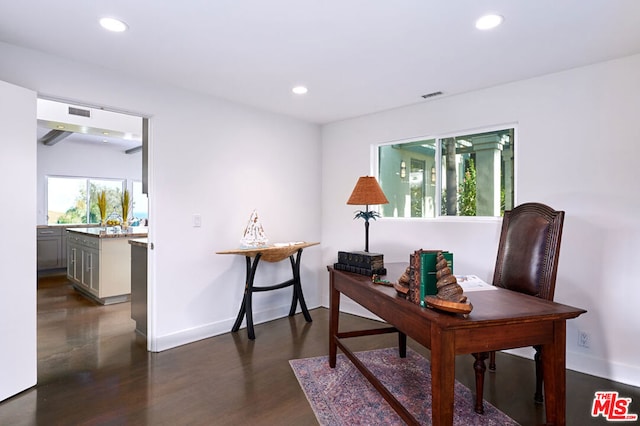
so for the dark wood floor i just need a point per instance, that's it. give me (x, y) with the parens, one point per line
(94, 370)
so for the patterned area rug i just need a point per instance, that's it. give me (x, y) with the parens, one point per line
(342, 396)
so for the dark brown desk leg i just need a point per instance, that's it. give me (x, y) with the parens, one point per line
(553, 368)
(537, 396)
(492, 360)
(442, 376)
(402, 344)
(334, 312)
(479, 367)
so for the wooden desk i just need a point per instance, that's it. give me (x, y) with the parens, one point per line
(270, 254)
(501, 319)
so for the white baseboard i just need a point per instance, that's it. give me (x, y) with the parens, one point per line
(587, 364)
(187, 336)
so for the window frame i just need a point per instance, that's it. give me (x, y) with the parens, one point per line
(125, 184)
(134, 199)
(375, 170)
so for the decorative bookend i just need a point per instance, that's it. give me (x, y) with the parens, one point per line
(414, 277)
(449, 297)
(402, 286)
(422, 273)
(254, 235)
(361, 262)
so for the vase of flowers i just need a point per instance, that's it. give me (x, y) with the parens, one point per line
(126, 204)
(102, 206)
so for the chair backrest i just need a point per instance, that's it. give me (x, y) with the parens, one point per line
(529, 248)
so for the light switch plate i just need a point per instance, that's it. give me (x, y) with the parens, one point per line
(197, 221)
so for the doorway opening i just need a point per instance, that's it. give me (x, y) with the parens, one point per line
(96, 150)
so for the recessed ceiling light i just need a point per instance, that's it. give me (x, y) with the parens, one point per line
(299, 90)
(113, 24)
(488, 22)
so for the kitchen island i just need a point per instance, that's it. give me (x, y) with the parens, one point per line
(139, 284)
(99, 262)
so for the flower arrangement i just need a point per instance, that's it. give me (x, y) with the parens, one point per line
(102, 206)
(126, 204)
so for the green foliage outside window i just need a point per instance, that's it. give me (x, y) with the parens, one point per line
(77, 213)
(467, 191)
(68, 203)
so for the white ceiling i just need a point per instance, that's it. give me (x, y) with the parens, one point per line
(355, 56)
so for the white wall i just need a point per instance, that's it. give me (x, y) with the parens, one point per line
(208, 157)
(18, 248)
(576, 147)
(577, 150)
(81, 159)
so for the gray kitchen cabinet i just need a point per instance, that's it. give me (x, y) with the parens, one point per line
(74, 258)
(51, 248)
(91, 268)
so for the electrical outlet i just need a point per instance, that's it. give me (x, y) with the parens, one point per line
(584, 340)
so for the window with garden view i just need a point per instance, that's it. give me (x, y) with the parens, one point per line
(460, 175)
(74, 200)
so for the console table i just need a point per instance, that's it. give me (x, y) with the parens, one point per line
(501, 319)
(274, 253)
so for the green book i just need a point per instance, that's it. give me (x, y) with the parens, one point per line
(428, 272)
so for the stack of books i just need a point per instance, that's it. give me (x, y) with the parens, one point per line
(361, 262)
(422, 274)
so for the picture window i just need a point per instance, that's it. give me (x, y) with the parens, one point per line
(469, 174)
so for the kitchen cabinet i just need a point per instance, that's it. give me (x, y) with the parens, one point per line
(74, 258)
(51, 248)
(99, 265)
(83, 263)
(139, 284)
(90, 276)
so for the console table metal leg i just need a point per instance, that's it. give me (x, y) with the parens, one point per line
(297, 289)
(243, 309)
(246, 308)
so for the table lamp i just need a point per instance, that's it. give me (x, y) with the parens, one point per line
(367, 192)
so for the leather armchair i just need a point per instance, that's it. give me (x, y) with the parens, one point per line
(527, 262)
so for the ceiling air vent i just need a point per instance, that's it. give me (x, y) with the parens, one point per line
(431, 95)
(80, 112)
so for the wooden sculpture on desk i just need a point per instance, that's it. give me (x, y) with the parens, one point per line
(450, 297)
(402, 286)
